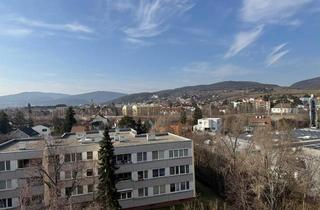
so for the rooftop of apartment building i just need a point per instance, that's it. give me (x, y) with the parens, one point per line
(120, 137)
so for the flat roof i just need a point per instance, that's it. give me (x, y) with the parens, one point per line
(120, 138)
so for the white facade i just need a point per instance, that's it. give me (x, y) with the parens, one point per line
(42, 130)
(208, 124)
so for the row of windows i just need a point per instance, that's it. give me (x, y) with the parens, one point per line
(78, 190)
(156, 155)
(178, 153)
(73, 157)
(181, 186)
(157, 190)
(24, 163)
(176, 170)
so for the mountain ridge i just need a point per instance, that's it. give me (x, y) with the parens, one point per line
(37, 98)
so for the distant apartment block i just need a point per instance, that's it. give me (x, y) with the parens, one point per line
(284, 109)
(153, 170)
(208, 125)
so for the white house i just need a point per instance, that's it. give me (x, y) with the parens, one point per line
(208, 124)
(42, 130)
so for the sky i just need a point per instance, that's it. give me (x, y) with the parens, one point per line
(131, 46)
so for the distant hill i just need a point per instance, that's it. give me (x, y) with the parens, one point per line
(197, 90)
(46, 99)
(309, 84)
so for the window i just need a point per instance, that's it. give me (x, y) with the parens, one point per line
(90, 172)
(23, 163)
(69, 191)
(185, 152)
(172, 187)
(67, 158)
(79, 156)
(5, 184)
(123, 159)
(159, 189)
(143, 192)
(142, 175)
(5, 165)
(89, 155)
(172, 171)
(141, 156)
(158, 172)
(79, 190)
(171, 154)
(90, 188)
(5, 202)
(125, 195)
(162, 172)
(155, 155)
(67, 175)
(44, 130)
(124, 176)
(158, 155)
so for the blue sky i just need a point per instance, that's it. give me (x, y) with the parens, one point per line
(132, 46)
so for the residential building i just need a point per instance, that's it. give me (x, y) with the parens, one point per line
(24, 132)
(127, 110)
(283, 109)
(42, 130)
(153, 170)
(208, 124)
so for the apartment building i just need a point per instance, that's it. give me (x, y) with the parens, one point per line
(153, 170)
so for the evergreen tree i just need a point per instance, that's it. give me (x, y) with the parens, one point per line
(183, 117)
(197, 115)
(146, 126)
(127, 122)
(107, 192)
(69, 120)
(4, 123)
(139, 127)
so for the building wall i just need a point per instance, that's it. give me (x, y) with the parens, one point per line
(184, 159)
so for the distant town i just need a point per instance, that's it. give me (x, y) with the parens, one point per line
(163, 149)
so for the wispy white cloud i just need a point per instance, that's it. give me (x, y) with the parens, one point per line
(135, 41)
(270, 11)
(262, 13)
(218, 72)
(152, 17)
(243, 39)
(276, 54)
(69, 27)
(15, 32)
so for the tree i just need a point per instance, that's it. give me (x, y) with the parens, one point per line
(107, 192)
(58, 125)
(127, 122)
(197, 114)
(139, 127)
(19, 120)
(183, 117)
(69, 120)
(4, 123)
(30, 121)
